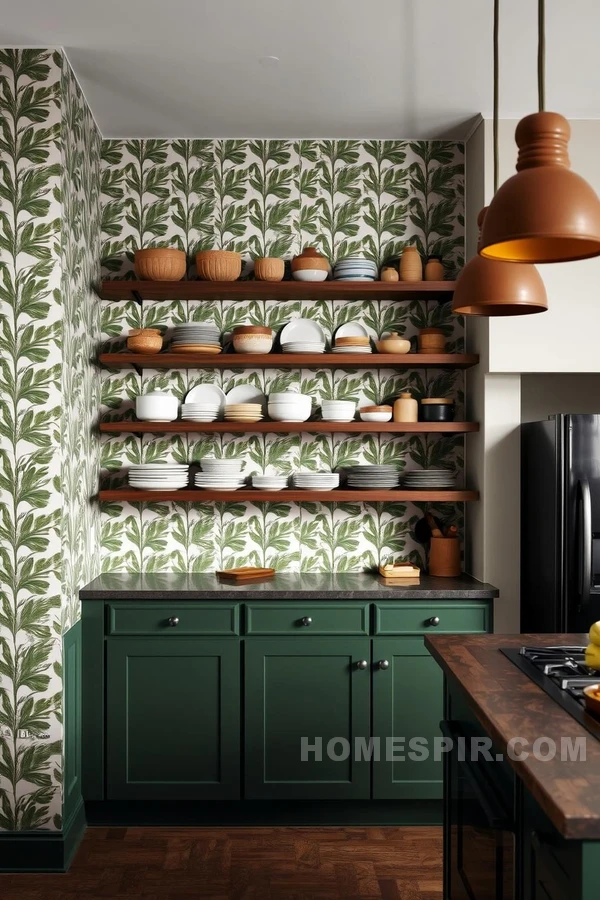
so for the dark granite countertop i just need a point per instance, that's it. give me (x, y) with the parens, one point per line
(289, 586)
(508, 705)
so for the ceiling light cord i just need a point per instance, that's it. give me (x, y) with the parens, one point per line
(541, 55)
(496, 89)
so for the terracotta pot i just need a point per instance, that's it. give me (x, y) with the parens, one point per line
(434, 270)
(432, 340)
(389, 274)
(269, 268)
(145, 340)
(310, 258)
(444, 557)
(219, 265)
(411, 266)
(160, 264)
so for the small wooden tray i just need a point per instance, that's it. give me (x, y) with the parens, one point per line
(399, 570)
(246, 573)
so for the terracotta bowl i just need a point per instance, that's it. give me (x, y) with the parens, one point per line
(160, 264)
(269, 268)
(219, 265)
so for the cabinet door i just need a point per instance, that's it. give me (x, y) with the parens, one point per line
(305, 687)
(408, 701)
(173, 718)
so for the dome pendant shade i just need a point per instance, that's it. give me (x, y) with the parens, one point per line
(545, 213)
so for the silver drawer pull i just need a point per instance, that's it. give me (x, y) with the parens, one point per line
(383, 664)
(306, 620)
(362, 664)
(173, 621)
(434, 621)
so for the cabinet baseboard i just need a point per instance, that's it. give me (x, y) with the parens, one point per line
(42, 851)
(265, 812)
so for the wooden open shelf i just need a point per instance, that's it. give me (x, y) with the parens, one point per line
(168, 360)
(440, 291)
(196, 495)
(179, 427)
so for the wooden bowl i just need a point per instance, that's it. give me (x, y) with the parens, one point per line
(375, 409)
(219, 265)
(145, 340)
(393, 344)
(160, 264)
(269, 268)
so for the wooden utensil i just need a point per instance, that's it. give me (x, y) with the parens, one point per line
(435, 530)
(245, 573)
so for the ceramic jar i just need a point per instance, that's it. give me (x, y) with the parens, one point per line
(434, 270)
(411, 266)
(406, 408)
(389, 274)
(145, 340)
(156, 407)
(252, 339)
(160, 264)
(310, 265)
(218, 265)
(432, 340)
(269, 268)
(393, 344)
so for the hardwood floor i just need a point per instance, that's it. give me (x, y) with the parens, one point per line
(244, 864)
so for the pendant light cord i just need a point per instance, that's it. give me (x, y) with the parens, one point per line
(541, 55)
(496, 88)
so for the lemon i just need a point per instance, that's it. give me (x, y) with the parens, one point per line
(595, 634)
(592, 656)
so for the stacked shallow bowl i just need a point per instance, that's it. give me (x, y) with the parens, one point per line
(200, 412)
(196, 337)
(220, 474)
(352, 345)
(373, 478)
(289, 406)
(269, 482)
(158, 476)
(430, 479)
(303, 347)
(338, 410)
(355, 268)
(243, 412)
(316, 481)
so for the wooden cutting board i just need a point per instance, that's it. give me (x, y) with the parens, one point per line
(246, 573)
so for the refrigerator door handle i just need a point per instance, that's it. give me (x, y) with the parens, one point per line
(584, 515)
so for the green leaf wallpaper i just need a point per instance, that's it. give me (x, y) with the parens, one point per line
(272, 197)
(49, 326)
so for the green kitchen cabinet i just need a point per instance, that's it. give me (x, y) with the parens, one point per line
(173, 718)
(408, 688)
(308, 687)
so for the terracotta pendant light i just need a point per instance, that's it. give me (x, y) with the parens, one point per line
(545, 213)
(487, 287)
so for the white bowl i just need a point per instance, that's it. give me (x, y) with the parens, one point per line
(288, 413)
(211, 464)
(310, 275)
(376, 416)
(156, 407)
(339, 405)
(289, 397)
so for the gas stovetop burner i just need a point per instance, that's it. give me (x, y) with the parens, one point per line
(563, 674)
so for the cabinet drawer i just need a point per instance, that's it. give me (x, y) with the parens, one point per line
(420, 618)
(158, 618)
(307, 618)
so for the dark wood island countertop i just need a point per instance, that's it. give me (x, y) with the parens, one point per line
(509, 705)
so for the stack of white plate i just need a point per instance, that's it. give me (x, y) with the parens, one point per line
(338, 410)
(373, 478)
(316, 481)
(355, 268)
(269, 482)
(434, 479)
(220, 474)
(196, 337)
(303, 347)
(200, 412)
(158, 476)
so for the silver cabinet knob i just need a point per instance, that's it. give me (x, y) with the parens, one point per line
(383, 664)
(306, 620)
(173, 621)
(433, 621)
(362, 664)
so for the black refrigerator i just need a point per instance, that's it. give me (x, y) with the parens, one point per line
(560, 524)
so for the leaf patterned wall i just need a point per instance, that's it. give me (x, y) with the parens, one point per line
(49, 245)
(272, 197)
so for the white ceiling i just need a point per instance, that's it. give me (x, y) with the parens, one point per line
(348, 68)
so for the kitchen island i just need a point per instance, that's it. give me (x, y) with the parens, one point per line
(198, 690)
(527, 828)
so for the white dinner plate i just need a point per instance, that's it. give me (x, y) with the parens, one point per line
(303, 330)
(246, 393)
(207, 393)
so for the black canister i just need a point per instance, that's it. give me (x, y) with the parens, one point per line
(436, 409)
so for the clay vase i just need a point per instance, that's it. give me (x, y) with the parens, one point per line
(434, 270)
(269, 268)
(406, 408)
(411, 266)
(389, 274)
